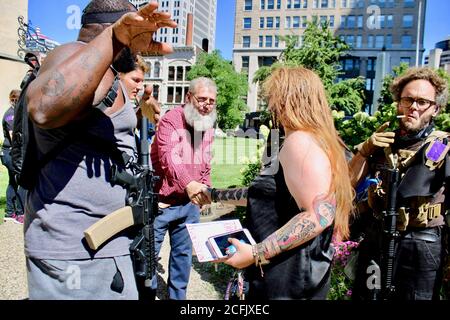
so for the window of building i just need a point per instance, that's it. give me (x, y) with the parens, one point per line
(389, 21)
(343, 21)
(409, 3)
(170, 94)
(278, 4)
(270, 4)
(358, 41)
(379, 42)
(331, 21)
(348, 64)
(261, 41)
(304, 21)
(247, 23)
(296, 22)
(369, 84)
(352, 4)
(315, 4)
(188, 69)
(360, 22)
(277, 41)
(406, 42)
(245, 63)
(408, 21)
(178, 94)
(171, 74)
(277, 22)
(180, 73)
(157, 69)
(261, 22)
(323, 20)
(371, 64)
(388, 42)
(262, 4)
(350, 39)
(382, 21)
(370, 41)
(287, 24)
(343, 3)
(248, 5)
(246, 41)
(351, 22)
(405, 60)
(269, 41)
(269, 22)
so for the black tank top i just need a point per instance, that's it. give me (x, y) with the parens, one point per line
(300, 273)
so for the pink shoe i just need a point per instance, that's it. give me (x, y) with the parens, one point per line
(19, 219)
(10, 217)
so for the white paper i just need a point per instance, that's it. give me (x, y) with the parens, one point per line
(200, 232)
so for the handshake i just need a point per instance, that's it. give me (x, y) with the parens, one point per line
(199, 193)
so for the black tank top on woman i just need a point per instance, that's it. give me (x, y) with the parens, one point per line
(300, 273)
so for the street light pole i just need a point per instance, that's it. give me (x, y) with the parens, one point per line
(419, 24)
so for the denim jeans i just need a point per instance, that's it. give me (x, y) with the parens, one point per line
(418, 265)
(15, 196)
(417, 268)
(174, 219)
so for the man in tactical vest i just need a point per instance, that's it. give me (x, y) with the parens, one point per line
(420, 154)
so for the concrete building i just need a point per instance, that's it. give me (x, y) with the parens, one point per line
(369, 26)
(12, 67)
(168, 75)
(439, 57)
(204, 21)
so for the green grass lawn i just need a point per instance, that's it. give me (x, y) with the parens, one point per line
(228, 160)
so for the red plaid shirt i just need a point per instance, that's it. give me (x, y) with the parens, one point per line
(176, 161)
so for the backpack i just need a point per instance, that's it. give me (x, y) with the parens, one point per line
(24, 153)
(21, 147)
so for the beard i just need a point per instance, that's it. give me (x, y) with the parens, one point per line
(196, 120)
(416, 126)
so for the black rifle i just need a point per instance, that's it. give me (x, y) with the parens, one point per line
(390, 233)
(144, 203)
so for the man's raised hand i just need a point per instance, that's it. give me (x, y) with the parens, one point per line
(135, 29)
(150, 108)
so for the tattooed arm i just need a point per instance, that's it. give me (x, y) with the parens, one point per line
(74, 74)
(237, 197)
(307, 173)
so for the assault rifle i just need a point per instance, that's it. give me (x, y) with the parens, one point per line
(141, 210)
(390, 233)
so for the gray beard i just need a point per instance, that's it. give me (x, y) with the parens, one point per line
(196, 120)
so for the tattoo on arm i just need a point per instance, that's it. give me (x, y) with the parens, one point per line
(55, 85)
(230, 194)
(295, 232)
(299, 229)
(325, 209)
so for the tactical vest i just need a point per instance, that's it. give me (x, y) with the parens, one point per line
(424, 165)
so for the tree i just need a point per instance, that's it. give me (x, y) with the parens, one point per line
(231, 87)
(321, 52)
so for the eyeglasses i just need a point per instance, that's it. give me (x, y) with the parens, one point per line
(205, 101)
(421, 103)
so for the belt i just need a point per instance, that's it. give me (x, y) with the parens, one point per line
(428, 234)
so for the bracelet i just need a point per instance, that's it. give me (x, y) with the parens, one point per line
(260, 259)
(214, 195)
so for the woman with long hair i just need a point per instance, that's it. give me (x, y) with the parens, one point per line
(312, 198)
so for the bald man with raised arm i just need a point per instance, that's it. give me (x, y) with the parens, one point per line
(78, 105)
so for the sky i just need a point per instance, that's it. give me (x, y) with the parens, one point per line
(56, 18)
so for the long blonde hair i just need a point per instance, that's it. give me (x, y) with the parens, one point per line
(297, 98)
